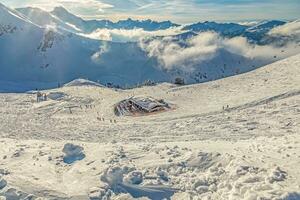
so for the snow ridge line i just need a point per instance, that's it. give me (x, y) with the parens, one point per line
(241, 107)
(267, 100)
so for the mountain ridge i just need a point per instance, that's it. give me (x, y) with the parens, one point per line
(44, 57)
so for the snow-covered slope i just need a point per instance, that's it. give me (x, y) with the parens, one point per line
(81, 82)
(36, 56)
(11, 17)
(265, 26)
(67, 17)
(203, 149)
(45, 19)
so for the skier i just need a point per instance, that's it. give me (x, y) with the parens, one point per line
(38, 96)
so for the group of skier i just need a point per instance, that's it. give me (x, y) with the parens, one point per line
(40, 96)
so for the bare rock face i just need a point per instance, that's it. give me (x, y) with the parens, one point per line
(4, 29)
(73, 153)
(50, 37)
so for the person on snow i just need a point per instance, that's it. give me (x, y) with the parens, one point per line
(38, 96)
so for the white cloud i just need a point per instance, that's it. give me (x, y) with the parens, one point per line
(172, 54)
(71, 4)
(104, 48)
(206, 46)
(288, 29)
(133, 35)
(248, 23)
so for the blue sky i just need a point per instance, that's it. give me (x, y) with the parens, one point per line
(181, 11)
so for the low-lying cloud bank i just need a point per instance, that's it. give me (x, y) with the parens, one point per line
(132, 35)
(189, 54)
(206, 46)
(289, 29)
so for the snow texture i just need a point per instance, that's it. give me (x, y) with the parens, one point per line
(234, 138)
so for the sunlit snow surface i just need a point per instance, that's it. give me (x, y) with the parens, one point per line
(235, 138)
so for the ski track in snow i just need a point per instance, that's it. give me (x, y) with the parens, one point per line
(200, 150)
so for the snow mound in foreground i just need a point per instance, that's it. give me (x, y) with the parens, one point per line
(206, 175)
(7, 192)
(82, 82)
(128, 180)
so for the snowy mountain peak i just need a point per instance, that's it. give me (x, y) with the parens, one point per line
(33, 11)
(60, 9)
(6, 13)
(148, 25)
(266, 25)
(12, 18)
(66, 16)
(228, 29)
(46, 19)
(63, 18)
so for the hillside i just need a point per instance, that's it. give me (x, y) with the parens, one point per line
(94, 109)
(44, 19)
(201, 149)
(49, 56)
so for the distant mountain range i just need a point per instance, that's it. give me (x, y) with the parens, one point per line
(255, 34)
(40, 49)
(59, 14)
(226, 29)
(62, 18)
